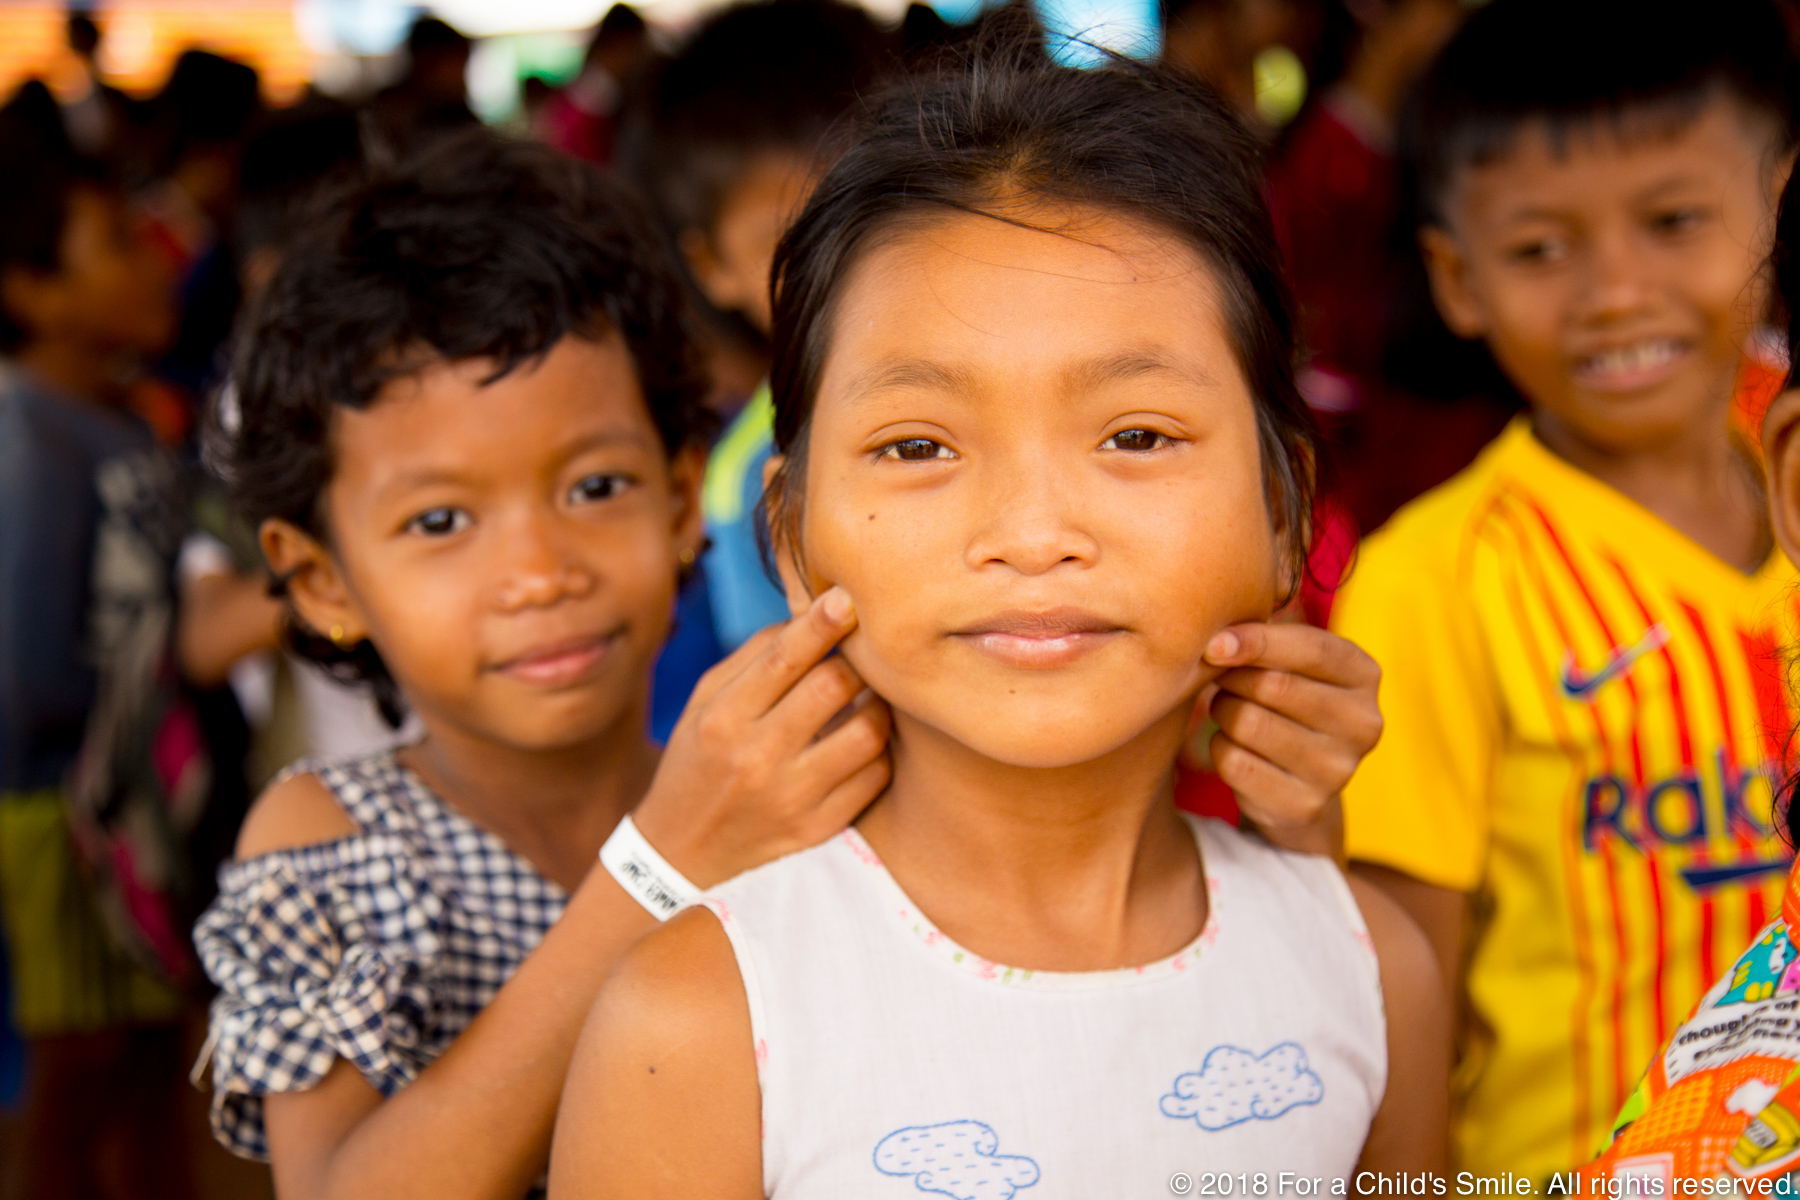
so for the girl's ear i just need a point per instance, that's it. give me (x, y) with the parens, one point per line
(314, 583)
(687, 471)
(781, 538)
(1781, 459)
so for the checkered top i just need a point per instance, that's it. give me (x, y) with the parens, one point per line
(379, 948)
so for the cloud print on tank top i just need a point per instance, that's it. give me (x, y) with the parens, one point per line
(955, 1158)
(1235, 1085)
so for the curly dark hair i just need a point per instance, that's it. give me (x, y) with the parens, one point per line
(1006, 123)
(477, 248)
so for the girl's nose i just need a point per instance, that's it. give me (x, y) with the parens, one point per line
(1032, 526)
(539, 572)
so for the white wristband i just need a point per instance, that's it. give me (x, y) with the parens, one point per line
(645, 874)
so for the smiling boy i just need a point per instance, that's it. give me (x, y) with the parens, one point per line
(1584, 714)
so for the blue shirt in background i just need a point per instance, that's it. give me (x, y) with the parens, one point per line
(52, 449)
(689, 653)
(744, 598)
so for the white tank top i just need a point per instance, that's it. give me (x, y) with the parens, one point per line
(893, 1062)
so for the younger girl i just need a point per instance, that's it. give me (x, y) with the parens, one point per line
(469, 429)
(1033, 386)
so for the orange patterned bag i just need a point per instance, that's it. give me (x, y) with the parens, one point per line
(1722, 1100)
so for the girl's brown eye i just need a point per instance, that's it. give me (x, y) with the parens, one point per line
(1134, 440)
(602, 486)
(917, 450)
(440, 522)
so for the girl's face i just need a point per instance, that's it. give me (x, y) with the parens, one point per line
(1034, 466)
(509, 547)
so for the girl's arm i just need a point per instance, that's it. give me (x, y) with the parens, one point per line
(662, 1099)
(743, 781)
(1411, 1128)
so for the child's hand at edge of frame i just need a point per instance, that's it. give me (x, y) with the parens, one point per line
(764, 761)
(1297, 712)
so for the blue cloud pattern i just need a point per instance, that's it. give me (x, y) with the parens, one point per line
(1234, 1085)
(955, 1159)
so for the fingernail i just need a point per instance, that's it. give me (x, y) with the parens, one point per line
(1225, 645)
(837, 606)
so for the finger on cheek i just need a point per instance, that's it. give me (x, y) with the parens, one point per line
(1231, 646)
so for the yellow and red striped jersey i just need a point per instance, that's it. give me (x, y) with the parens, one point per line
(1586, 717)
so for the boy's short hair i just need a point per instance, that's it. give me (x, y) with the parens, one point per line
(1570, 63)
(756, 78)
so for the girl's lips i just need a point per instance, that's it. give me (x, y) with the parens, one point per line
(559, 665)
(1039, 640)
(1037, 652)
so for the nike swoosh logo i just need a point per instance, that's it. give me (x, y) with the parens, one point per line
(1705, 878)
(1581, 685)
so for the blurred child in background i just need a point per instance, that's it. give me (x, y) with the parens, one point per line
(727, 142)
(95, 738)
(582, 119)
(432, 98)
(1573, 793)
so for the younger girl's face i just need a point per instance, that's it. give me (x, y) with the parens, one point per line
(509, 546)
(1034, 466)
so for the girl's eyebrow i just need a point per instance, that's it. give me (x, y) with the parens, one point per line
(1093, 373)
(432, 475)
(1116, 368)
(908, 373)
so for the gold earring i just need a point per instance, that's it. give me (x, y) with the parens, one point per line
(685, 558)
(336, 635)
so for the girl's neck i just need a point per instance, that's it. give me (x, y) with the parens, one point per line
(1079, 868)
(554, 807)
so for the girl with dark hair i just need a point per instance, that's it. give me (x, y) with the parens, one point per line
(467, 426)
(1036, 415)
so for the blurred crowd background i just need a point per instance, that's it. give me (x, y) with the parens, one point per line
(216, 121)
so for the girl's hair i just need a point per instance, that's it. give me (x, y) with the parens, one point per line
(477, 249)
(1010, 127)
(1785, 260)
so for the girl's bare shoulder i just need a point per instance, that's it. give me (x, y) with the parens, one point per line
(663, 1095)
(295, 811)
(681, 981)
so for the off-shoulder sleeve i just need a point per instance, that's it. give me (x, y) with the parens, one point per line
(319, 953)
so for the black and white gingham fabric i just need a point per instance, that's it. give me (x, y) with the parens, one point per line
(378, 949)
